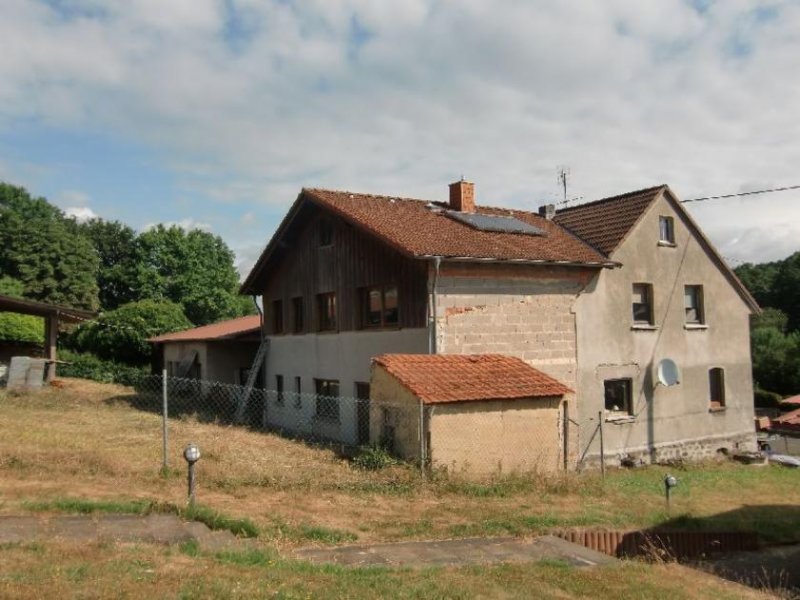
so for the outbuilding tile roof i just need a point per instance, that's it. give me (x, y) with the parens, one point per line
(605, 223)
(441, 378)
(787, 422)
(215, 331)
(421, 228)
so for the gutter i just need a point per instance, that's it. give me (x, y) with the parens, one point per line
(610, 264)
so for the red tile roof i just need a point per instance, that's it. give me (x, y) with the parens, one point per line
(440, 378)
(788, 422)
(421, 228)
(605, 223)
(215, 331)
(791, 401)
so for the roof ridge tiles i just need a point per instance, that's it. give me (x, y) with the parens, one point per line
(652, 189)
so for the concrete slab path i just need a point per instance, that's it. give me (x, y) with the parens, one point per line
(458, 552)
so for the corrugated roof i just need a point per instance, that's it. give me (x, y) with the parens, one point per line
(215, 331)
(605, 223)
(441, 378)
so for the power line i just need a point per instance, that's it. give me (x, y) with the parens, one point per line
(769, 191)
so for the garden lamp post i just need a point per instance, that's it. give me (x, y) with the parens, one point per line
(192, 454)
(670, 481)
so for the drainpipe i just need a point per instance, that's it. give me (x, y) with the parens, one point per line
(260, 318)
(437, 261)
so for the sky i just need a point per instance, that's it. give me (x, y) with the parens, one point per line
(215, 113)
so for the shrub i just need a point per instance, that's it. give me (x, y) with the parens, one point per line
(89, 366)
(765, 399)
(21, 328)
(373, 458)
(122, 334)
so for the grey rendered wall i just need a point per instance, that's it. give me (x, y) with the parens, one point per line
(675, 421)
(344, 356)
(175, 351)
(225, 359)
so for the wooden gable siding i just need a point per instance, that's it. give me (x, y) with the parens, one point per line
(354, 261)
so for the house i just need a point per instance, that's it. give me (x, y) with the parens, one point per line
(222, 352)
(593, 296)
(787, 427)
(482, 413)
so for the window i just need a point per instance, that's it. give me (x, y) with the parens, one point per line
(716, 387)
(379, 307)
(298, 401)
(325, 233)
(618, 396)
(326, 312)
(327, 400)
(297, 315)
(277, 317)
(279, 389)
(693, 304)
(666, 230)
(642, 304)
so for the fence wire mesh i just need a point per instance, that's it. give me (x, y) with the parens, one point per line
(468, 439)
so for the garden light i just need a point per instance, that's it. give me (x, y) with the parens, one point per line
(192, 454)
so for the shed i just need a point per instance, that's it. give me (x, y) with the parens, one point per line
(53, 315)
(221, 352)
(478, 413)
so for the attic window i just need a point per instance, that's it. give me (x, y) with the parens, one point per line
(325, 233)
(666, 230)
(494, 223)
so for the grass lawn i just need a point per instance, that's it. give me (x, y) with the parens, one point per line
(83, 448)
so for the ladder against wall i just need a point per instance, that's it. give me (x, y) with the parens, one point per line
(246, 392)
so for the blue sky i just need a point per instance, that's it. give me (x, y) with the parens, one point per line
(214, 113)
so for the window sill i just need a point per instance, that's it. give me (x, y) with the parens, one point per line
(717, 409)
(666, 244)
(643, 327)
(381, 328)
(695, 326)
(620, 419)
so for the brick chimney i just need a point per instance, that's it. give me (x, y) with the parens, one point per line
(548, 211)
(462, 196)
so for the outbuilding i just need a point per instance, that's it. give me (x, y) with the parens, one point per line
(478, 414)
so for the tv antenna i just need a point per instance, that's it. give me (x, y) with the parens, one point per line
(563, 178)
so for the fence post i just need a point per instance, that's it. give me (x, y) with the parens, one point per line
(566, 436)
(164, 433)
(421, 439)
(602, 447)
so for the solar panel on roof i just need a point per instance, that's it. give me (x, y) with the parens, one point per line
(494, 223)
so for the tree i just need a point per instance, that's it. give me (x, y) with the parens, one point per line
(116, 247)
(121, 334)
(760, 280)
(194, 269)
(41, 250)
(786, 290)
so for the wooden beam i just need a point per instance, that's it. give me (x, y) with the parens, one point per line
(51, 344)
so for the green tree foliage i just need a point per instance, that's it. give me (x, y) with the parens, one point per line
(760, 280)
(121, 335)
(116, 247)
(53, 262)
(15, 327)
(194, 269)
(786, 290)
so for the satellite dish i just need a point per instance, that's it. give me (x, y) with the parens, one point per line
(668, 373)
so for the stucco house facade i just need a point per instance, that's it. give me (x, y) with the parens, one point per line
(348, 277)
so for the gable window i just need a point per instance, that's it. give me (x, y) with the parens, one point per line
(693, 304)
(279, 389)
(379, 307)
(642, 304)
(325, 233)
(277, 317)
(297, 315)
(666, 230)
(716, 387)
(326, 312)
(618, 396)
(327, 400)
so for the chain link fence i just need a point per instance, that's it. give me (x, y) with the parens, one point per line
(495, 437)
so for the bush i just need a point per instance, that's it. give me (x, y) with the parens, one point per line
(121, 335)
(765, 399)
(373, 458)
(21, 328)
(89, 366)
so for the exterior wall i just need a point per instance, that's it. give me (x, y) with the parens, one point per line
(175, 351)
(667, 422)
(497, 436)
(345, 357)
(393, 405)
(520, 311)
(225, 360)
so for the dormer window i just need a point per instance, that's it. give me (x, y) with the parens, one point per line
(666, 231)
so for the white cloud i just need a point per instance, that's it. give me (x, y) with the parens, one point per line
(80, 213)
(628, 94)
(76, 197)
(187, 224)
